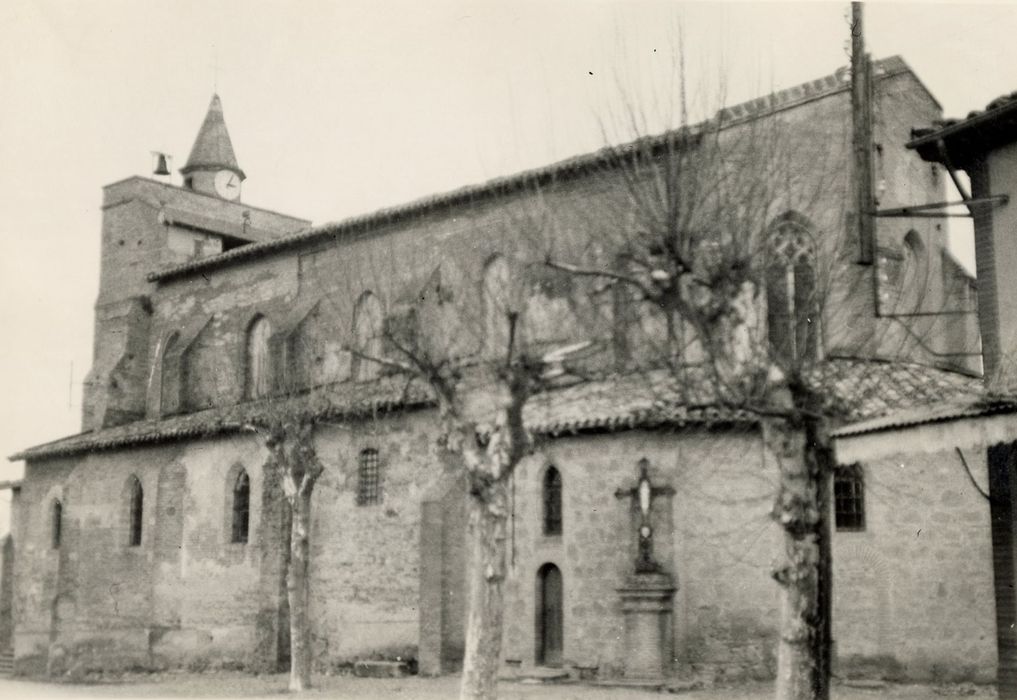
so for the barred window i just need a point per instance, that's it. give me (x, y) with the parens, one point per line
(369, 478)
(136, 512)
(552, 502)
(849, 498)
(58, 516)
(241, 508)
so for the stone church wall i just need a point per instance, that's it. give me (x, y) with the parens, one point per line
(896, 614)
(184, 594)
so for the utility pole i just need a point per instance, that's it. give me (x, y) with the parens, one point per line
(861, 122)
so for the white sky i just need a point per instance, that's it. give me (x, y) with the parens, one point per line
(338, 108)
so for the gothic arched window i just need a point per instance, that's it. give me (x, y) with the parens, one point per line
(136, 512)
(58, 522)
(496, 305)
(552, 502)
(256, 359)
(793, 310)
(368, 478)
(241, 508)
(367, 330)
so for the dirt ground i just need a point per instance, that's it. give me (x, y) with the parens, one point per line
(235, 685)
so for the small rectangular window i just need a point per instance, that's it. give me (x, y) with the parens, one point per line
(368, 478)
(849, 498)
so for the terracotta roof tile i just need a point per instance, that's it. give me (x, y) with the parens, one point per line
(858, 390)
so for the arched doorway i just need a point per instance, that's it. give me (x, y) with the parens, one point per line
(549, 616)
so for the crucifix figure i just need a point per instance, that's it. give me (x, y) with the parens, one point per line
(643, 494)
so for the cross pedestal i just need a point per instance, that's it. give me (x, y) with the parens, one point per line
(647, 605)
(647, 593)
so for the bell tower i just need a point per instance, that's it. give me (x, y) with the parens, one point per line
(212, 167)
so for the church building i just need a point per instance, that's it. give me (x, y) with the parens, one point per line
(153, 538)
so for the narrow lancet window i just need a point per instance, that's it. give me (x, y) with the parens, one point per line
(241, 508)
(552, 502)
(58, 518)
(136, 514)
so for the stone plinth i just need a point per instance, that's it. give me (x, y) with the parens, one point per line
(647, 606)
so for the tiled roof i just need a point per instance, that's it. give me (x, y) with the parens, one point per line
(213, 148)
(337, 401)
(729, 116)
(938, 412)
(858, 390)
(865, 389)
(980, 130)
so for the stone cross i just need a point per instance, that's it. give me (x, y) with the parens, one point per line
(642, 493)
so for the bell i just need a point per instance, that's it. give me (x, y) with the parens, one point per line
(160, 166)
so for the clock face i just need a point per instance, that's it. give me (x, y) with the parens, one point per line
(227, 184)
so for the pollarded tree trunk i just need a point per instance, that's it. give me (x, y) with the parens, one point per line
(297, 592)
(803, 651)
(488, 518)
(293, 457)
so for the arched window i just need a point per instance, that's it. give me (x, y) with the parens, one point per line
(368, 478)
(256, 359)
(552, 502)
(367, 329)
(793, 310)
(169, 380)
(550, 613)
(136, 513)
(496, 300)
(916, 272)
(58, 518)
(241, 508)
(849, 498)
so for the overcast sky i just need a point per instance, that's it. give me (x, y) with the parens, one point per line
(338, 108)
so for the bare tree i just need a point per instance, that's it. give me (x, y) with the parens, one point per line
(481, 363)
(287, 429)
(726, 247)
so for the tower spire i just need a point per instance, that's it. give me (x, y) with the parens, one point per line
(212, 157)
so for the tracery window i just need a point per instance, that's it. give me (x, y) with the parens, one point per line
(849, 498)
(793, 310)
(136, 512)
(367, 330)
(552, 502)
(241, 508)
(258, 381)
(57, 526)
(368, 478)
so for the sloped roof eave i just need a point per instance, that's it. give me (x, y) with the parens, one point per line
(860, 388)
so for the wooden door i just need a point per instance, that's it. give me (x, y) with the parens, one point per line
(549, 616)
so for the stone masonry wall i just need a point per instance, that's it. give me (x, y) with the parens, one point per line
(912, 593)
(185, 594)
(188, 596)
